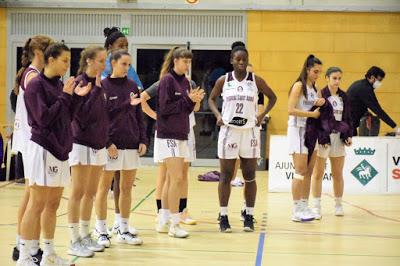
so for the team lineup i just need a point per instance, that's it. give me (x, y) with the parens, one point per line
(88, 133)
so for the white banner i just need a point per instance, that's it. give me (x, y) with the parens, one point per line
(365, 171)
(394, 167)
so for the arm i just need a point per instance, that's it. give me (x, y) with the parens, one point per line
(370, 100)
(294, 97)
(42, 114)
(167, 104)
(215, 93)
(147, 95)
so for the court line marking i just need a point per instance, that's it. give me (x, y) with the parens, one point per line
(260, 249)
(366, 210)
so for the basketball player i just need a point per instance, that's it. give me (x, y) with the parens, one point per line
(126, 142)
(338, 139)
(239, 135)
(88, 155)
(302, 97)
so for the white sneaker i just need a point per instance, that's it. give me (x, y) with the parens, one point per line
(308, 212)
(54, 260)
(79, 250)
(28, 261)
(300, 216)
(317, 213)
(186, 219)
(162, 227)
(176, 231)
(91, 244)
(104, 240)
(114, 229)
(97, 233)
(133, 231)
(339, 210)
(128, 238)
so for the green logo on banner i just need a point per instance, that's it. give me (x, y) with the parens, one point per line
(364, 172)
(125, 30)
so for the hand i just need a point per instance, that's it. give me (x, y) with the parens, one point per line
(69, 86)
(348, 142)
(82, 91)
(142, 149)
(220, 122)
(260, 119)
(196, 95)
(113, 151)
(135, 100)
(319, 102)
(315, 114)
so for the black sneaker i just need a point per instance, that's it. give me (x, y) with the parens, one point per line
(15, 255)
(38, 256)
(243, 216)
(224, 225)
(248, 224)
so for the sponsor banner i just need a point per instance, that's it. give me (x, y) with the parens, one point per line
(393, 167)
(365, 170)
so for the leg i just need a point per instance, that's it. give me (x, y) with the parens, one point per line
(224, 186)
(21, 210)
(307, 178)
(126, 183)
(116, 192)
(185, 188)
(317, 175)
(337, 164)
(162, 172)
(90, 192)
(79, 178)
(250, 186)
(101, 201)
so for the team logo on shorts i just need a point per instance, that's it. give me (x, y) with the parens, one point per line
(171, 143)
(240, 89)
(52, 170)
(94, 151)
(254, 143)
(232, 146)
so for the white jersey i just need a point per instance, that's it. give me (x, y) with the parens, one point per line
(22, 130)
(239, 101)
(304, 104)
(337, 104)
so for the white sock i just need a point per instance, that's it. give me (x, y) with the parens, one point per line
(117, 219)
(124, 225)
(297, 205)
(84, 228)
(304, 202)
(17, 241)
(24, 246)
(34, 247)
(175, 218)
(101, 226)
(224, 211)
(317, 202)
(250, 210)
(48, 247)
(74, 232)
(338, 201)
(164, 218)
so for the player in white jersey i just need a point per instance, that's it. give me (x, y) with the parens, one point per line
(32, 61)
(338, 140)
(302, 96)
(239, 134)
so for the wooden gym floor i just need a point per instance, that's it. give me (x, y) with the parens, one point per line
(368, 234)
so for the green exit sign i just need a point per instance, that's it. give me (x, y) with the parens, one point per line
(125, 30)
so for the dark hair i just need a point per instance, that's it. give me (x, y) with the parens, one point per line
(310, 62)
(237, 43)
(112, 35)
(332, 70)
(55, 50)
(174, 53)
(90, 52)
(239, 48)
(32, 44)
(376, 72)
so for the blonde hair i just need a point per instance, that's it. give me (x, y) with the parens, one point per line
(90, 52)
(174, 53)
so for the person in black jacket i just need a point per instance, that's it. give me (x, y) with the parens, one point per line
(362, 97)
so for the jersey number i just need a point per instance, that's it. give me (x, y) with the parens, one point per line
(239, 108)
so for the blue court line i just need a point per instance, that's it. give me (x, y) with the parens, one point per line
(260, 249)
